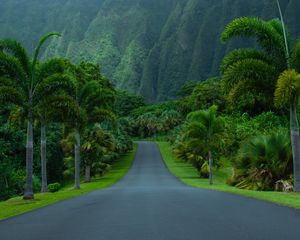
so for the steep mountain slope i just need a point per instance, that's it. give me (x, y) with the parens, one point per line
(151, 47)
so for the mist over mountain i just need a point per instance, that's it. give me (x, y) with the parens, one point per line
(150, 47)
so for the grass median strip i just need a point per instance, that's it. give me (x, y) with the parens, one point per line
(17, 205)
(190, 176)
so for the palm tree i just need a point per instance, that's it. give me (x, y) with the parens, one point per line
(293, 95)
(288, 92)
(95, 97)
(55, 105)
(19, 87)
(97, 143)
(249, 75)
(204, 129)
(248, 70)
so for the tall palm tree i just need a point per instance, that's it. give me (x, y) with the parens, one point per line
(288, 92)
(294, 97)
(56, 106)
(204, 128)
(19, 86)
(245, 70)
(95, 97)
(249, 75)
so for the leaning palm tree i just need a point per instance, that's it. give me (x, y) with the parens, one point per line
(248, 70)
(19, 86)
(204, 128)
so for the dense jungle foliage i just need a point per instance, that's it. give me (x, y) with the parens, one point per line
(83, 122)
(241, 117)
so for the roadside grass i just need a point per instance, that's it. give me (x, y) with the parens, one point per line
(189, 175)
(17, 205)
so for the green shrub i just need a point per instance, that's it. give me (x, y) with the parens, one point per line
(54, 187)
(262, 161)
(239, 128)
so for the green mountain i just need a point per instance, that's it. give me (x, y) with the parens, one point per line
(146, 46)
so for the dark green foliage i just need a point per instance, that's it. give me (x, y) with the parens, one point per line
(126, 103)
(55, 156)
(239, 128)
(209, 93)
(150, 120)
(12, 177)
(54, 187)
(186, 89)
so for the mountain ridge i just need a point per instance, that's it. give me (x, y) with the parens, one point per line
(147, 47)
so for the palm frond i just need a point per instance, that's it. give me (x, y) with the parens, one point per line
(102, 114)
(59, 108)
(262, 74)
(14, 70)
(40, 44)
(195, 130)
(288, 87)
(11, 95)
(86, 90)
(50, 67)
(266, 35)
(242, 54)
(15, 49)
(53, 84)
(6, 81)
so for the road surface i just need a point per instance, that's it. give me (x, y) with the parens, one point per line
(150, 204)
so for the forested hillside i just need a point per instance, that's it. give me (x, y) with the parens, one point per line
(151, 47)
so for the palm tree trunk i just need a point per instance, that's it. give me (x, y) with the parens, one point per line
(210, 160)
(88, 173)
(77, 160)
(294, 125)
(28, 194)
(43, 158)
(295, 140)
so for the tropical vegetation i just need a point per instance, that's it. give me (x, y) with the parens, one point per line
(163, 44)
(76, 104)
(243, 122)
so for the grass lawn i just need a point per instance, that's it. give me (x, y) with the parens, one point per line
(189, 175)
(16, 206)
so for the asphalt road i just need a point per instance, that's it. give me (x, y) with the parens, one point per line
(150, 204)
